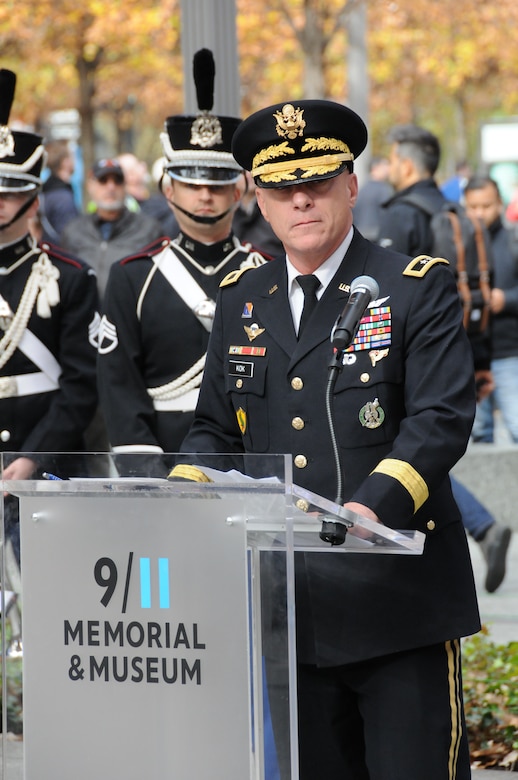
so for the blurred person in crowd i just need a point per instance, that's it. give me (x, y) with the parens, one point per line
(57, 202)
(375, 191)
(136, 179)
(250, 225)
(376, 634)
(453, 188)
(483, 201)
(48, 312)
(414, 159)
(138, 186)
(511, 210)
(111, 231)
(159, 303)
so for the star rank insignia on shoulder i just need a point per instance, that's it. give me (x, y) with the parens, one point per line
(421, 264)
(234, 276)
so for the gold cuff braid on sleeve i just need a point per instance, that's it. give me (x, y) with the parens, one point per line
(184, 471)
(407, 476)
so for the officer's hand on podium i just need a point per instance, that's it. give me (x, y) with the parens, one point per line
(364, 511)
(20, 468)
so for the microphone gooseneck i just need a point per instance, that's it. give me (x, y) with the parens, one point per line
(364, 289)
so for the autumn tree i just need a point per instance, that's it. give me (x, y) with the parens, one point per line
(448, 66)
(94, 56)
(444, 65)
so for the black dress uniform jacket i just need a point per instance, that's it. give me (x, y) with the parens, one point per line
(158, 338)
(405, 227)
(353, 607)
(53, 421)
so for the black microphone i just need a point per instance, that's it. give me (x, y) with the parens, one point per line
(364, 289)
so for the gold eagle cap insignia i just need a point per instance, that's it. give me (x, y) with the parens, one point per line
(290, 123)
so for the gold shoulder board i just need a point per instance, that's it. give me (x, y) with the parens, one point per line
(421, 264)
(234, 276)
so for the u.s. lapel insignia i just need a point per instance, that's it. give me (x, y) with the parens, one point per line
(253, 331)
(371, 414)
(377, 354)
(241, 420)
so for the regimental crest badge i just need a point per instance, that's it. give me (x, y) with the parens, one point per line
(206, 131)
(290, 123)
(6, 142)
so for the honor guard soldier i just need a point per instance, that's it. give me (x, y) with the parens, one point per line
(48, 303)
(378, 637)
(159, 303)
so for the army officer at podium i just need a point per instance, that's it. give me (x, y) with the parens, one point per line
(378, 636)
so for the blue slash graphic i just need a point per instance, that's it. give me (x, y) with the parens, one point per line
(163, 582)
(145, 583)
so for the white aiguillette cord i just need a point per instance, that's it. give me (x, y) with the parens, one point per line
(41, 288)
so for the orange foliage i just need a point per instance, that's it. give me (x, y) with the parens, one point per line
(427, 61)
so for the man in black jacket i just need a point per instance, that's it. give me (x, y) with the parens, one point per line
(413, 160)
(483, 201)
(379, 690)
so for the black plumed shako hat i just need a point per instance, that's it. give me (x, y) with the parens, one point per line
(198, 148)
(22, 154)
(299, 141)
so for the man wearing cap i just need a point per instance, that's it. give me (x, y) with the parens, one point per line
(48, 303)
(111, 230)
(159, 303)
(378, 636)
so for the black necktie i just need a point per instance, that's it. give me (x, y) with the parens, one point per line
(310, 285)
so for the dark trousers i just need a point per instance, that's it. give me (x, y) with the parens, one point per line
(399, 717)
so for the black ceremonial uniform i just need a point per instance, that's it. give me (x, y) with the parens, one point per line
(150, 337)
(40, 411)
(404, 406)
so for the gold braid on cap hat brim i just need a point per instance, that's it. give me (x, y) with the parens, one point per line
(282, 170)
(312, 166)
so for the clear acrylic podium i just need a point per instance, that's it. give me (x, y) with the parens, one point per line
(152, 611)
